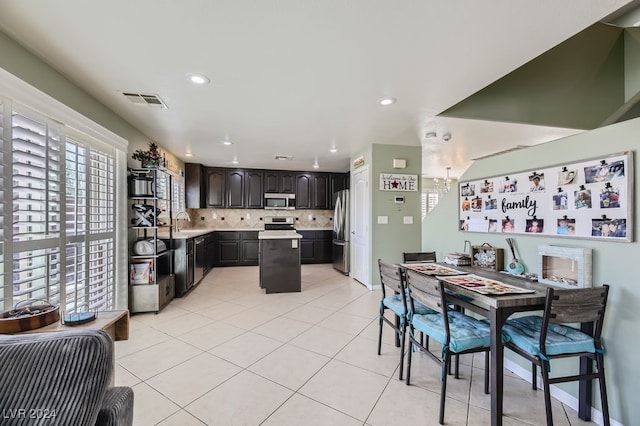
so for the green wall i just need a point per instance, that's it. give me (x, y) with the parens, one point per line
(576, 84)
(389, 241)
(613, 262)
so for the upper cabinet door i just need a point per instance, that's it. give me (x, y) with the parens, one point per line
(254, 189)
(339, 181)
(321, 187)
(215, 179)
(279, 182)
(271, 181)
(194, 186)
(236, 189)
(303, 190)
(287, 182)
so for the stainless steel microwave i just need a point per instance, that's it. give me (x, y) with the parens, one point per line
(279, 201)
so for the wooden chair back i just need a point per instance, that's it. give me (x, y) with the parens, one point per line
(427, 256)
(390, 276)
(424, 289)
(584, 305)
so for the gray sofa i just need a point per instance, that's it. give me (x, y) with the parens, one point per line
(61, 378)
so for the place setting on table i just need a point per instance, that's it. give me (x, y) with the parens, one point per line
(484, 285)
(466, 280)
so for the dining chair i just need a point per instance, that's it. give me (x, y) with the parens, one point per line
(427, 256)
(456, 332)
(540, 339)
(393, 276)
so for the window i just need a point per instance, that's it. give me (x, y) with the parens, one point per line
(63, 220)
(177, 197)
(3, 197)
(428, 200)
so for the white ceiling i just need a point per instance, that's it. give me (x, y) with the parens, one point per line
(294, 77)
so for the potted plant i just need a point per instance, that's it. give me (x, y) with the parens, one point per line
(148, 158)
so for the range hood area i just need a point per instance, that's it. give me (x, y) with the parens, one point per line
(590, 80)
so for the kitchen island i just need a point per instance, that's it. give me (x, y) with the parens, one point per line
(280, 270)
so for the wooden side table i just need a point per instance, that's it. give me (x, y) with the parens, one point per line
(115, 323)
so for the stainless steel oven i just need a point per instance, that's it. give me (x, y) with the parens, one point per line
(275, 223)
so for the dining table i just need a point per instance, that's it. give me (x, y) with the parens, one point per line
(526, 295)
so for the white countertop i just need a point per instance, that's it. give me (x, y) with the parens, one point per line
(185, 234)
(281, 235)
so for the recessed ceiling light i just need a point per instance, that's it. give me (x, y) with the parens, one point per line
(227, 142)
(316, 165)
(430, 135)
(188, 154)
(198, 78)
(386, 101)
(234, 161)
(333, 149)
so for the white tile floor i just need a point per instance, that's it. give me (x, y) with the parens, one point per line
(227, 354)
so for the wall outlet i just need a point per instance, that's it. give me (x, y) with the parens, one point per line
(214, 215)
(310, 217)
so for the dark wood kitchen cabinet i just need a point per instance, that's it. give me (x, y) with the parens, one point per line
(324, 246)
(307, 246)
(235, 189)
(245, 189)
(320, 187)
(195, 196)
(312, 191)
(236, 248)
(254, 189)
(215, 187)
(339, 181)
(316, 246)
(250, 253)
(219, 187)
(279, 182)
(303, 190)
(227, 248)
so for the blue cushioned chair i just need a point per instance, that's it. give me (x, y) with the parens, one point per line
(456, 332)
(393, 277)
(540, 339)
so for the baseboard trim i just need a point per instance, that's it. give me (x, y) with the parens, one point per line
(556, 392)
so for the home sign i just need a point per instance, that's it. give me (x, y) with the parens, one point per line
(393, 182)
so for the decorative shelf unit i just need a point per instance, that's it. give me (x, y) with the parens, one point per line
(151, 273)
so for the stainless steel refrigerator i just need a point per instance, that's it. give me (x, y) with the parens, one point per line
(341, 232)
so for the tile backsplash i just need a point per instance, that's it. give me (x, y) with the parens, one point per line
(253, 218)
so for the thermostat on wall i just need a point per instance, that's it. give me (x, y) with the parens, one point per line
(399, 199)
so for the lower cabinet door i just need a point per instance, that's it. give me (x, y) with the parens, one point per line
(250, 252)
(228, 253)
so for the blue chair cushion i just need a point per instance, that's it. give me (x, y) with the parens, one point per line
(395, 304)
(465, 332)
(524, 332)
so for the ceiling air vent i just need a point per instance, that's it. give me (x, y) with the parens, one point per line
(144, 99)
(284, 157)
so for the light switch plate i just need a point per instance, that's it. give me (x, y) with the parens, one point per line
(294, 244)
(407, 220)
(383, 220)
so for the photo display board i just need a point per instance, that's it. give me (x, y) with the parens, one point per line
(584, 199)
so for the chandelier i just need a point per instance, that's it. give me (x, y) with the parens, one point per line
(443, 184)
